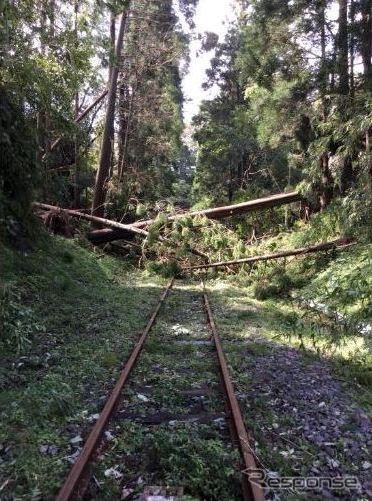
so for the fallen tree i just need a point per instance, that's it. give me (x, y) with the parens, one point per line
(122, 230)
(104, 236)
(233, 210)
(341, 242)
(94, 219)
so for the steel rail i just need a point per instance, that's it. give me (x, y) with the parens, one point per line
(79, 468)
(251, 490)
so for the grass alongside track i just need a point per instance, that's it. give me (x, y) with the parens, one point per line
(69, 319)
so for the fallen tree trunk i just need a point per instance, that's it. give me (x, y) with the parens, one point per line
(341, 242)
(122, 231)
(107, 235)
(233, 210)
(94, 219)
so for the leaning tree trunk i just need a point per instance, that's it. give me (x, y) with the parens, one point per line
(106, 148)
(334, 244)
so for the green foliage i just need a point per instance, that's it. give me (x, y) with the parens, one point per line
(18, 322)
(19, 173)
(166, 269)
(345, 284)
(279, 119)
(356, 214)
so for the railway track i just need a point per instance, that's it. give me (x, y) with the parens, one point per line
(211, 363)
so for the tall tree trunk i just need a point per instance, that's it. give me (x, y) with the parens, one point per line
(344, 88)
(352, 46)
(76, 176)
(343, 85)
(123, 99)
(369, 158)
(334, 65)
(230, 188)
(323, 63)
(41, 114)
(112, 41)
(104, 164)
(366, 52)
(326, 180)
(366, 45)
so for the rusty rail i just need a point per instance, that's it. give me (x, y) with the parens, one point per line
(79, 468)
(251, 491)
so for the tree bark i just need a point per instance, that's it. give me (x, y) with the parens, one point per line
(352, 46)
(104, 164)
(125, 137)
(107, 235)
(41, 114)
(323, 73)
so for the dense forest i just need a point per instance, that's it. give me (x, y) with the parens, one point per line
(294, 104)
(94, 104)
(89, 87)
(107, 190)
